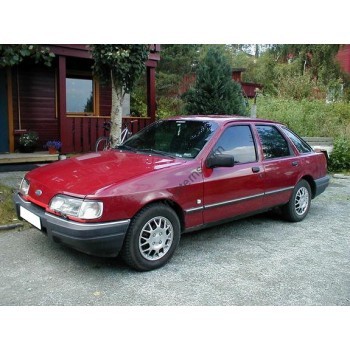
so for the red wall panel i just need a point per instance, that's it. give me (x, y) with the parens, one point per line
(343, 57)
(34, 101)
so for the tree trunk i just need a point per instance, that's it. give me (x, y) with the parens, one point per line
(116, 113)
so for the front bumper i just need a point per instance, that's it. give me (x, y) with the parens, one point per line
(100, 239)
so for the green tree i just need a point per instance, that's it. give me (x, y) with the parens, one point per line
(121, 65)
(292, 70)
(214, 91)
(318, 59)
(13, 54)
(254, 50)
(176, 61)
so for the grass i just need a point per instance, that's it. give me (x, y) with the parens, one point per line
(7, 209)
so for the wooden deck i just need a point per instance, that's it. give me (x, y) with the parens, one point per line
(36, 157)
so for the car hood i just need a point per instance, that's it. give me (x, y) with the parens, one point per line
(86, 174)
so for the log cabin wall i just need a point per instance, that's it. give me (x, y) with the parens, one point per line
(343, 57)
(34, 102)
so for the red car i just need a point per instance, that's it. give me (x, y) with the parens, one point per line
(177, 175)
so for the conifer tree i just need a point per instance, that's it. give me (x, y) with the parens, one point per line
(214, 91)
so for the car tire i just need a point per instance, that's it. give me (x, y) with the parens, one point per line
(299, 204)
(152, 238)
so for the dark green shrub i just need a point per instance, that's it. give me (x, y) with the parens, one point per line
(214, 91)
(340, 157)
(169, 106)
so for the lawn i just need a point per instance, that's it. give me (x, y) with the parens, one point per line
(7, 210)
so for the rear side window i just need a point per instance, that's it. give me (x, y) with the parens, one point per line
(273, 143)
(300, 144)
(237, 141)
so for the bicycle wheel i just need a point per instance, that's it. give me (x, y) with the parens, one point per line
(102, 144)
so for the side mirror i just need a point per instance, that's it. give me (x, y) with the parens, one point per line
(220, 160)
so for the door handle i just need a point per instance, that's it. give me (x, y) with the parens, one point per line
(295, 163)
(255, 169)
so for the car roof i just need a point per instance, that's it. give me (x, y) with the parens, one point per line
(222, 119)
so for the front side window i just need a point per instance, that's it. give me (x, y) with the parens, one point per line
(79, 95)
(273, 143)
(237, 141)
(177, 138)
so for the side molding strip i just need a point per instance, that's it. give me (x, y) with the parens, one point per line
(219, 204)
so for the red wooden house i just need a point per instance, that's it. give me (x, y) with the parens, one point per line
(343, 57)
(249, 89)
(63, 102)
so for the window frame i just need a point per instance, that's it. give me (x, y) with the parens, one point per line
(95, 93)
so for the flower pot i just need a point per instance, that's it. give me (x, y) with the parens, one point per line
(52, 150)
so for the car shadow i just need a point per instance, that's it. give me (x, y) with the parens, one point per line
(234, 229)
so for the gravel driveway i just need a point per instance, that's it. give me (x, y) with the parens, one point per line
(257, 261)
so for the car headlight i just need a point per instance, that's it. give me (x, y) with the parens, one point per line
(77, 207)
(24, 187)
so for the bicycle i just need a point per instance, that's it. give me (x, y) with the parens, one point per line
(104, 143)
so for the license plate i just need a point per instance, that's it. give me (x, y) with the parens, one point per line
(30, 217)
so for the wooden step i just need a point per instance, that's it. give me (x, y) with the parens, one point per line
(36, 157)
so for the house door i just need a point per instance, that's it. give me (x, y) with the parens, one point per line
(4, 134)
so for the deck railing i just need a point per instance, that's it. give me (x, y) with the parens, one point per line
(86, 130)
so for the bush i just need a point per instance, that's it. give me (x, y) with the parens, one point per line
(291, 84)
(340, 157)
(308, 117)
(169, 106)
(28, 142)
(313, 118)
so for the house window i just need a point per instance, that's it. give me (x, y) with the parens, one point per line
(80, 95)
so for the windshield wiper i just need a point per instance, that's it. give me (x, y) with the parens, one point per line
(151, 150)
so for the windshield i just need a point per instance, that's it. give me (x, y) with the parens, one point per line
(174, 138)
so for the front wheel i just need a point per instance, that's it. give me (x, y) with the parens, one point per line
(152, 238)
(299, 204)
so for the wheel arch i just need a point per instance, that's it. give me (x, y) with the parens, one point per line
(312, 184)
(173, 205)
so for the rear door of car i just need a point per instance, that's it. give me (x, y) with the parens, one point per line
(281, 165)
(237, 190)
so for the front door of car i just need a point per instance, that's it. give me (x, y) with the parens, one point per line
(236, 190)
(281, 165)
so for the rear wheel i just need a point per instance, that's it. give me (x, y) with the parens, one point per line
(152, 238)
(299, 204)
